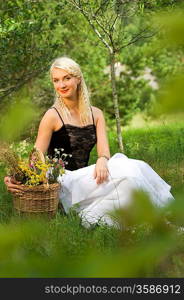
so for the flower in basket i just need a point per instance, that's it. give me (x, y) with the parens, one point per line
(38, 175)
(37, 169)
(57, 164)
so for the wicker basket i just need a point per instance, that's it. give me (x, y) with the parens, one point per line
(38, 200)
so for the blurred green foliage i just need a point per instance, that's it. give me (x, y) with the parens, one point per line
(172, 27)
(17, 117)
(170, 96)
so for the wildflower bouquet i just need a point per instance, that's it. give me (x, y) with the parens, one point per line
(38, 176)
(36, 169)
(40, 169)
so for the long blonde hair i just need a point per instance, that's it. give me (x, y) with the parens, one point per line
(70, 66)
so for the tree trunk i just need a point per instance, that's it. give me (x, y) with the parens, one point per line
(115, 101)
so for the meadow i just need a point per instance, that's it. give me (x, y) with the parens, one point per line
(147, 247)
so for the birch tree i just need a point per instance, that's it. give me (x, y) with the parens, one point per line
(111, 21)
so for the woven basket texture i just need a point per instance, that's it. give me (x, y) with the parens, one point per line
(41, 199)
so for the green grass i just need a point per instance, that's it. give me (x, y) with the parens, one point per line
(62, 247)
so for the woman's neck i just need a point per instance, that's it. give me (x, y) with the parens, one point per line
(71, 104)
(72, 107)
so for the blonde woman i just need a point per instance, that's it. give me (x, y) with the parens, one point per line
(76, 126)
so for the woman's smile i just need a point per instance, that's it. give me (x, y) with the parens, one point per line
(64, 91)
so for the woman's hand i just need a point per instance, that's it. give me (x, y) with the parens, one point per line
(101, 170)
(13, 186)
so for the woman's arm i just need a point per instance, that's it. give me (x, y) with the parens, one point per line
(102, 141)
(101, 169)
(46, 127)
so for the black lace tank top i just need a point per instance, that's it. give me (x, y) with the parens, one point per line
(75, 140)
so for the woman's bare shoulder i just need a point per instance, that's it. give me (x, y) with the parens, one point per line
(96, 111)
(50, 113)
(49, 118)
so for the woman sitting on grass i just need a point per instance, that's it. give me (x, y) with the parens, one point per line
(76, 126)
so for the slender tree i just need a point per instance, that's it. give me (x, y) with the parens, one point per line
(111, 21)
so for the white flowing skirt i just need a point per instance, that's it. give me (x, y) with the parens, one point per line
(95, 201)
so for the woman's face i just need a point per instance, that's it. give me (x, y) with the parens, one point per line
(64, 83)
